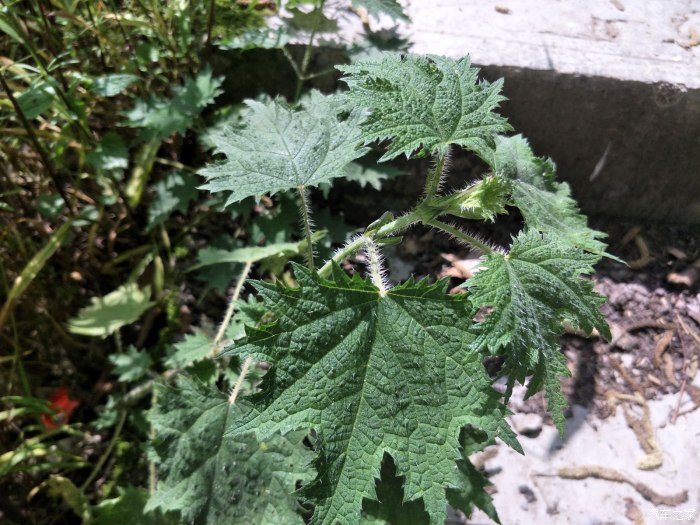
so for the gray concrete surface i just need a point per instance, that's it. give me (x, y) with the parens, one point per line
(529, 491)
(613, 84)
(648, 41)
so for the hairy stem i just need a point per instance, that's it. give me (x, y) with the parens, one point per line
(432, 182)
(374, 261)
(137, 393)
(231, 307)
(306, 218)
(459, 234)
(239, 382)
(292, 62)
(354, 246)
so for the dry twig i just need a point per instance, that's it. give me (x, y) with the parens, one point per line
(594, 471)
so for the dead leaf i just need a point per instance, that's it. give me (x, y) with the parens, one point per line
(687, 277)
(633, 512)
(644, 255)
(460, 268)
(678, 254)
(653, 379)
(661, 345)
(693, 41)
(670, 370)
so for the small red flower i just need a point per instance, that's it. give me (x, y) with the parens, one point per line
(63, 406)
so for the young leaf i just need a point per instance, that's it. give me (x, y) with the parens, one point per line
(172, 194)
(107, 314)
(131, 365)
(281, 148)
(192, 349)
(372, 375)
(212, 479)
(161, 117)
(110, 154)
(514, 159)
(532, 290)
(482, 200)
(546, 205)
(425, 104)
(113, 84)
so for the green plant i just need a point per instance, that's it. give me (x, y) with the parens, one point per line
(105, 112)
(390, 379)
(100, 102)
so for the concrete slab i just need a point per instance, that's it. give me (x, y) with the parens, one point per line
(610, 89)
(633, 40)
(529, 491)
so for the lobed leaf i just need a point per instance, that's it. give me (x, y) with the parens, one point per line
(161, 117)
(546, 205)
(532, 290)
(212, 479)
(110, 154)
(112, 84)
(258, 38)
(425, 104)
(174, 193)
(390, 506)
(192, 349)
(372, 375)
(131, 365)
(105, 315)
(281, 148)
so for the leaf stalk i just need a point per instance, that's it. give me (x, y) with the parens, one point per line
(432, 182)
(239, 382)
(231, 307)
(306, 219)
(354, 246)
(460, 235)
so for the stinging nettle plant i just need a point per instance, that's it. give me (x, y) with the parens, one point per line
(389, 381)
